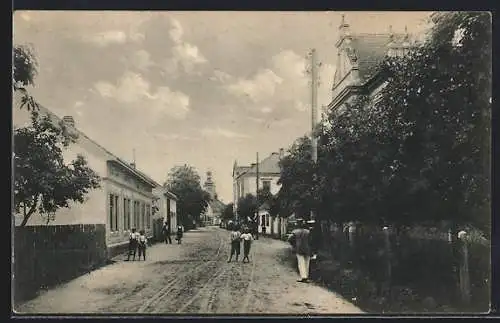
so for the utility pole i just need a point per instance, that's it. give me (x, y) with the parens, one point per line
(256, 217)
(312, 69)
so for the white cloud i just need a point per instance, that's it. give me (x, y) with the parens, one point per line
(219, 132)
(266, 110)
(284, 80)
(25, 16)
(132, 88)
(78, 104)
(260, 88)
(184, 54)
(107, 37)
(172, 137)
(220, 76)
(142, 60)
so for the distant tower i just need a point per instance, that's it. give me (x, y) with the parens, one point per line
(209, 185)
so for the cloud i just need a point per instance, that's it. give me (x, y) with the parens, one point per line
(259, 88)
(107, 37)
(132, 88)
(142, 60)
(25, 16)
(185, 55)
(219, 132)
(173, 137)
(221, 76)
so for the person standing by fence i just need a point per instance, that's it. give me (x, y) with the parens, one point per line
(300, 238)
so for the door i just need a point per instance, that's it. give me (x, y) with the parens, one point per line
(169, 224)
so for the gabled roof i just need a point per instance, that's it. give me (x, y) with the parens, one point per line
(56, 120)
(369, 50)
(269, 165)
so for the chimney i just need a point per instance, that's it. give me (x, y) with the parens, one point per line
(282, 153)
(132, 164)
(69, 121)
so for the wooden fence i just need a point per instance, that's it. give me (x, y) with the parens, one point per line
(48, 255)
(428, 263)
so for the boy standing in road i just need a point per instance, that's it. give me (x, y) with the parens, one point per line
(132, 243)
(142, 245)
(247, 242)
(235, 243)
(300, 239)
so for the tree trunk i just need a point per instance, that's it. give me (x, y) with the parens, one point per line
(27, 216)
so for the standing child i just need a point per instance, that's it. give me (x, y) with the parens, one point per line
(143, 241)
(247, 242)
(132, 243)
(235, 243)
(179, 234)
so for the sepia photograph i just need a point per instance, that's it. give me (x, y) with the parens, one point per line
(251, 162)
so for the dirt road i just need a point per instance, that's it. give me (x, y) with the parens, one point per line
(193, 278)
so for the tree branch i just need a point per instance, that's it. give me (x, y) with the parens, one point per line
(30, 212)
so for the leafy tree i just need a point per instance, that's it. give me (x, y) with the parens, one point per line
(184, 182)
(247, 207)
(298, 191)
(24, 71)
(43, 182)
(420, 151)
(228, 213)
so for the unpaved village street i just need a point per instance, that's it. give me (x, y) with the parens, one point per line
(193, 277)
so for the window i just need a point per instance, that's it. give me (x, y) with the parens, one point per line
(143, 214)
(148, 216)
(266, 185)
(113, 212)
(126, 214)
(136, 214)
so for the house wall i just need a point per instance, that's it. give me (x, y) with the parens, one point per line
(173, 213)
(93, 210)
(126, 186)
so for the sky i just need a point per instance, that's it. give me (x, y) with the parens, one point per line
(199, 88)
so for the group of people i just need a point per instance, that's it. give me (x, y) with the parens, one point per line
(165, 231)
(137, 243)
(236, 237)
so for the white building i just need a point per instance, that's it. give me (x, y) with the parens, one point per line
(245, 177)
(124, 201)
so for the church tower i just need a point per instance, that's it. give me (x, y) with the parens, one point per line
(209, 186)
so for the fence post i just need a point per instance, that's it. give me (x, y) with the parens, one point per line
(388, 253)
(464, 268)
(352, 230)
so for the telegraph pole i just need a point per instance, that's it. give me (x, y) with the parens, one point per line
(312, 69)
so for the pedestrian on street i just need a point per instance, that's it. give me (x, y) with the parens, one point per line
(165, 230)
(235, 237)
(143, 242)
(132, 243)
(315, 238)
(247, 243)
(179, 234)
(300, 238)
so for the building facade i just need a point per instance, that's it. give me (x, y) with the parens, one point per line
(124, 201)
(358, 62)
(215, 207)
(245, 177)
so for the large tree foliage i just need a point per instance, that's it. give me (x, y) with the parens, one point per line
(417, 153)
(247, 207)
(298, 192)
(43, 181)
(184, 182)
(24, 71)
(228, 213)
